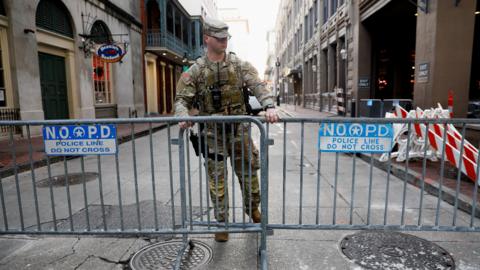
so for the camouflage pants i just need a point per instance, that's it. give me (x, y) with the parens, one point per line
(244, 159)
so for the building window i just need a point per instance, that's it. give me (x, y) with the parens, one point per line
(178, 25)
(312, 22)
(333, 7)
(169, 18)
(325, 11)
(3, 91)
(201, 36)
(101, 70)
(194, 45)
(300, 35)
(2, 8)
(315, 11)
(153, 15)
(306, 28)
(185, 30)
(101, 81)
(53, 16)
(100, 33)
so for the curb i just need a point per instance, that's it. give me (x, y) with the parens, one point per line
(414, 178)
(43, 162)
(285, 112)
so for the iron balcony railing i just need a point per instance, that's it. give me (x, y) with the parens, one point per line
(156, 38)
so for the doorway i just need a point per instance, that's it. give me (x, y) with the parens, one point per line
(53, 86)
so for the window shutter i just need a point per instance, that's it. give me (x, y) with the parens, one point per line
(52, 15)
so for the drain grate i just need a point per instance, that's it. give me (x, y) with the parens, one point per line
(163, 255)
(393, 250)
(61, 180)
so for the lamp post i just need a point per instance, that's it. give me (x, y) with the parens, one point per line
(343, 54)
(277, 81)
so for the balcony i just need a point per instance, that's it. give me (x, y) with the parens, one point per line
(156, 40)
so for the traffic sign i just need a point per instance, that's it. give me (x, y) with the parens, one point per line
(78, 140)
(356, 137)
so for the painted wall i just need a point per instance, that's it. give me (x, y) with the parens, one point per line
(126, 76)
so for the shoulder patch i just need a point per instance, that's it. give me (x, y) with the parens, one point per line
(186, 77)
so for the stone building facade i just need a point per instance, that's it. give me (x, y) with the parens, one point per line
(379, 49)
(49, 68)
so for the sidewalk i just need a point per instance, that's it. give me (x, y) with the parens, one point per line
(415, 170)
(22, 148)
(298, 111)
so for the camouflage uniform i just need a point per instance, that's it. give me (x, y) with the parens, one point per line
(228, 75)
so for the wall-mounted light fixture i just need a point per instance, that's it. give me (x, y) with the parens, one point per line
(343, 54)
(87, 46)
(185, 58)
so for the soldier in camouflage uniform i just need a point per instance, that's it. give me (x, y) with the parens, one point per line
(226, 73)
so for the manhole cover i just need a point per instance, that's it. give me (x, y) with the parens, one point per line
(61, 180)
(163, 256)
(392, 250)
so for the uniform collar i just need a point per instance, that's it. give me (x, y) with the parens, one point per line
(223, 63)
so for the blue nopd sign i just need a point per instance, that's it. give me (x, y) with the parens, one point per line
(79, 140)
(356, 137)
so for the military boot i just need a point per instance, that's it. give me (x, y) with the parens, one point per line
(221, 237)
(256, 215)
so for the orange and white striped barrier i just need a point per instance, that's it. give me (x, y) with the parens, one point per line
(453, 142)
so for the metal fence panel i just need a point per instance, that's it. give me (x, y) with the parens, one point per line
(157, 184)
(331, 191)
(152, 185)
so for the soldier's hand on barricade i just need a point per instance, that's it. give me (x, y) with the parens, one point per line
(271, 115)
(184, 125)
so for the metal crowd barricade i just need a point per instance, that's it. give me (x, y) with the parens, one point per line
(145, 189)
(148, 188)
(346, 191)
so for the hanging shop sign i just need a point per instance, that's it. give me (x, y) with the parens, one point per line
(110, 53)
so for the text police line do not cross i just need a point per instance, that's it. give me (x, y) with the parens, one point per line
(72, 140)
(356, 137)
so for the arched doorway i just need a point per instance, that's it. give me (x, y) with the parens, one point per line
(53, 16)
(105, 106)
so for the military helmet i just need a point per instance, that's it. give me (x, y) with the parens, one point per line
(215, 28)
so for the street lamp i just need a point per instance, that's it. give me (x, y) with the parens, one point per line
(277, 80)
(343, 55)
